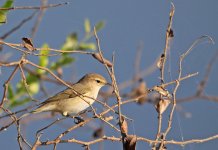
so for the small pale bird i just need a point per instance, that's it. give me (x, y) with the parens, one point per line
(67, 102)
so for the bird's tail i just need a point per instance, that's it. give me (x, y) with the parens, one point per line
(37, 110)
(24, 115)
(40, 109)
(43, 108)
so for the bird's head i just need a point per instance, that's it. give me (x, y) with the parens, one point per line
(94, 80)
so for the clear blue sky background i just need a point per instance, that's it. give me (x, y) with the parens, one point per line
(127, 24)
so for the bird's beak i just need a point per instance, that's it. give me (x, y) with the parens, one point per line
(109, 84)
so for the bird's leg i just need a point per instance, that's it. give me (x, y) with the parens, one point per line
(83, 112)
(77, 119)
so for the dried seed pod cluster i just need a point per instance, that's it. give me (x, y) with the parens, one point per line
(163, 100)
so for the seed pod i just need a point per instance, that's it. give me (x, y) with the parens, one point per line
(162, 91)
(28, 44)
(140, 93)
(98, 133)
(99, 58)
(160, 61)
(130, 142)
(141, 90)
(124, 126)
(162, 105)
(87, 147)
(171, 33)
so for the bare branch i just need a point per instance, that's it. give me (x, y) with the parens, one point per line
(35, 7)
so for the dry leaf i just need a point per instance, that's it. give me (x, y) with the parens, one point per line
(141, 90)
(162, 105)
(98, 57)
(124, 126)
(98, 133)
(159, 147)
(130, 142)
(28, 44)
(162, 91)
(171, 34)
(160, 61)
(87, 147)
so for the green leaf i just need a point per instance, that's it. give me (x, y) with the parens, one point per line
(8, 4)
(100, 25)
(19, 103)
(63, 61)
(3, 13)
(30, 79)
(87, 46)
(2, 18)
(87, 26)
(10, 92)
(20, 88)
(43, 58)
(71, 42)
(32, 85)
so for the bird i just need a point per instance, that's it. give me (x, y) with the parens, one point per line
(74, 99)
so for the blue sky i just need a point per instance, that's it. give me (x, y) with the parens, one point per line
(129, 23)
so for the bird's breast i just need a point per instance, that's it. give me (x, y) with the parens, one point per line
(79, 103)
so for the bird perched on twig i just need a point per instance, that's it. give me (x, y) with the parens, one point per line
(72, 101)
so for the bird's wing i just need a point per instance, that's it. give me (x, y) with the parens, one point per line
(67, 93)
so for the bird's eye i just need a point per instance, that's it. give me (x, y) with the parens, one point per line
(98, 81)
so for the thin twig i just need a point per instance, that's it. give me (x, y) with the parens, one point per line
(39, 18)
(34, 7)
(169, 28)
(18, 26)
(4, 97)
